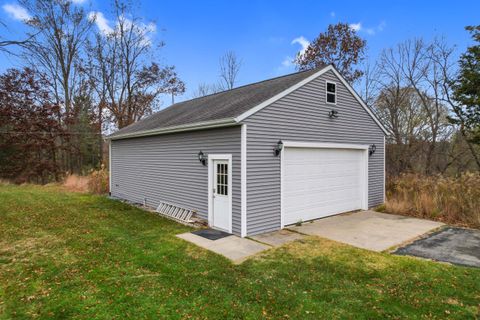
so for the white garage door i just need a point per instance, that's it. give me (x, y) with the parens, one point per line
(319, 182)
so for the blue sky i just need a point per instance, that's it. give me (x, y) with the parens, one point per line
(262, 33)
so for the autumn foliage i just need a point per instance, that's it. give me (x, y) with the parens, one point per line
(340, 46)
(30, 128)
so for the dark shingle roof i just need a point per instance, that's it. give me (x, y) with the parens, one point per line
(222, 105)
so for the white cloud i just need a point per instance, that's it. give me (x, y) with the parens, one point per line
(101, 22)
(381, 26)
(16, 12)
(79, 1)
(142, 29)
(332, 14)
(287, 62)
(303, 42)
(356, 26)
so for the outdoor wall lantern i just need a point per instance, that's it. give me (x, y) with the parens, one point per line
(372, 149)
(278, 148)
(202, 158)
(333, 114)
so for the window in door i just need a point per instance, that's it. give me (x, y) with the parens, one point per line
(222, 179)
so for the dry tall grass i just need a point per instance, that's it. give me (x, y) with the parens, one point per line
(76, 183)
(95, 182)
(454, 200)
(98, 181)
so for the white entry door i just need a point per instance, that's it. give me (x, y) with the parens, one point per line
(320, 182)
(221, 195)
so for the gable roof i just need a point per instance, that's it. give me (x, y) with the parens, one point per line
(225, 108)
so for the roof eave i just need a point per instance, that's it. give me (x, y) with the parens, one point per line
(226, 122)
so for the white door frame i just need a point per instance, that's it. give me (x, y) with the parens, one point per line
(211, 158)
(321, 145)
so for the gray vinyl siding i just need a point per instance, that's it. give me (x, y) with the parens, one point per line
(166, 168)
(303, 116)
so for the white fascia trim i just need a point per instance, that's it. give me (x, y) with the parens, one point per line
(302, 144)
(384, 173)
(357, 97)
(365, 180)
(282, 94)
(282, 188)
(186, 127)
(243, 180)
(110, 167)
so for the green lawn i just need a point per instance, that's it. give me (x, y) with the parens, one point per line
(67, 255)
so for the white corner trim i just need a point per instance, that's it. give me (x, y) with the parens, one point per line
(110, 167)
(360, 100)
(384, 173)
(365, 183)
(212, 157)
(282, 94)
(243, 179)
(302, 144)
(186, 127)
(282, 174)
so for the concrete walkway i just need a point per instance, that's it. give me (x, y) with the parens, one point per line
(368, 229)
(240, 249)
(234, 248)
(278, 238)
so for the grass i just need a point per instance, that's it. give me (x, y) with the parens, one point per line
(71, 255)
(453, 200)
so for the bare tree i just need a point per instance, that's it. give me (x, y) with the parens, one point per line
(60, 31)
(421, 73)
(442, 56)
(368, 85)
(229, 69)
(409, 100)
(205, 89)
(128, 82)
(6, 45)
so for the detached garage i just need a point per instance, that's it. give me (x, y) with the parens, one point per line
(259, 157)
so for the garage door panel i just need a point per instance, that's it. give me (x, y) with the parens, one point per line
(327, 191)
(321, 200)
(319, 182)
(312, 181)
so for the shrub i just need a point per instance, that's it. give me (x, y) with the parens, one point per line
(454, 200)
